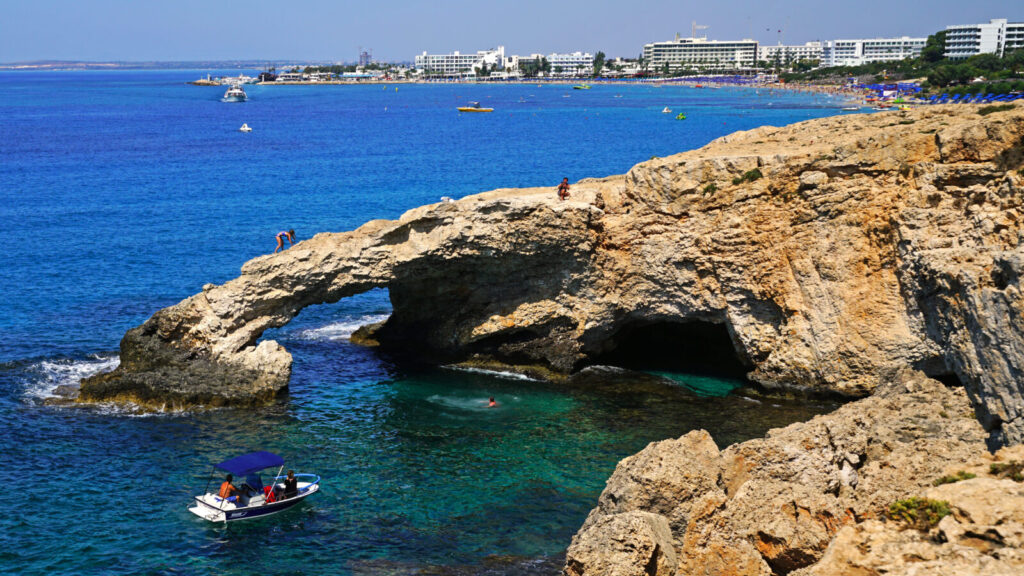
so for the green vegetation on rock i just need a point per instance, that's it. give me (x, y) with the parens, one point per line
(920, 513)
(986, 110)
(748, 176)
(960, 475)
(1013, 470)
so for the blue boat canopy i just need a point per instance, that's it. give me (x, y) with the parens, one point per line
(246, 463)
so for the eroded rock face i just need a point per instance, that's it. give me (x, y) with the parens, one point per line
(629, 544)
(774, 505)
(868, 244)
(984, 535)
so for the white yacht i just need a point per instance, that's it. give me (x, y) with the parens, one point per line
(234, 94)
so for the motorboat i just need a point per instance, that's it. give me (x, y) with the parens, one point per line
(234, 94)
(851, 108)
(581, 87)
(474, 107)
(254, 498)
(666, 110)
(245, 128)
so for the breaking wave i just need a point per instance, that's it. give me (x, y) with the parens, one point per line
(47, 375)
(495, 373)
(340, 330)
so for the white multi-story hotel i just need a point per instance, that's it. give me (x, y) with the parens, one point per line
(996, 37)
(571, 64)
(859, 52)
(457, 64)
(787, 54)
(701, 53)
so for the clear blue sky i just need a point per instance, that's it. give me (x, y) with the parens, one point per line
(398, 29)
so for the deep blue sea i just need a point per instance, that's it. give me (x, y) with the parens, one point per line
(124, 192)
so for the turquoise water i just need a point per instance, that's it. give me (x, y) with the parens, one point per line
(125, 192)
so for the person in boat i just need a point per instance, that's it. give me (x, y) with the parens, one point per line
(563, 189)
(282, 236)
(291, 485)
(491, 403)
(228, 491)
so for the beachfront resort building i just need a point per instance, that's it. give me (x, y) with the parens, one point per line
(996, 37)
(458, 64)
(701, 53)
(788, 54)
(865, 51)
(574, 64)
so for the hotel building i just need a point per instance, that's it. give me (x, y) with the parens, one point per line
(457, 64)
(996, 37)
(701, 53)
(859, 52)
(571, 64)
(788, 54)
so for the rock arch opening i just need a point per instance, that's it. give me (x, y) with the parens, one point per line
(692, 346)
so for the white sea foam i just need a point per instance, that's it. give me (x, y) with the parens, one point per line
(340, 330)
(49, 374)
(495, 373)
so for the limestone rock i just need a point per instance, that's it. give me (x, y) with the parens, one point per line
(628, 544)
(774, 505)
(870, 243)
(983, 536)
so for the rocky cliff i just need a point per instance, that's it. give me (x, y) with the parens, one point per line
(821, 254)
(817, 498)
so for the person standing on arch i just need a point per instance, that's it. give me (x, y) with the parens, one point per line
(282, 236)
(563, 189)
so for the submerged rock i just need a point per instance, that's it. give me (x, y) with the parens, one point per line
(822, 255)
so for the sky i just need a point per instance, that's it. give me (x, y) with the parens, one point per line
(397, 30)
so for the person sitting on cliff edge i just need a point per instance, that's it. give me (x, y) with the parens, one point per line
(282, 236)
(563, 189)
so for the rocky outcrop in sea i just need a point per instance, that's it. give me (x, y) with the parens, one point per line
(868, 256)
(817, 498)
(818, 256)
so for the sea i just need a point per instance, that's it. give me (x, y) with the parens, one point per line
(123, 192)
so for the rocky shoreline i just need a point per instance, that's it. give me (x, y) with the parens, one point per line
(864, 256)
(814, 498)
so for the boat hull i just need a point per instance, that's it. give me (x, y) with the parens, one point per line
(467, 109)
(233, 99)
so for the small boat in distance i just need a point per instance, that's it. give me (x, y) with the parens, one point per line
(581, 87)
(851, 108)
(474, 107)
(666, 110)
(254, 499)
(234, 94)
(245, 128)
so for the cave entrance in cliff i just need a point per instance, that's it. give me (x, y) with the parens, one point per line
(697, 347)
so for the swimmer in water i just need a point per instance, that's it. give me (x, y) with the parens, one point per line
(491, 403)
